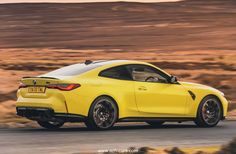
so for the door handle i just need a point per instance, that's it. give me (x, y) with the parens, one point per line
(142, 88)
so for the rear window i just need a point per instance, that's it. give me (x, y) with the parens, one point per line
(118, 72)
(75, 69)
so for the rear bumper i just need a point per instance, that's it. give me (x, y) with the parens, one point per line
(58, 104)
(47, 114)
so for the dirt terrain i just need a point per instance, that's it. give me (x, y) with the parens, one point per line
(192, 39)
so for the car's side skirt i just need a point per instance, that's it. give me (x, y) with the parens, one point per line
(48, 114)
(146, 119)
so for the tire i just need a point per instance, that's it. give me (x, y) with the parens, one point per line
(102, 114)
(50, 125)
(155, 123)
(209, 112)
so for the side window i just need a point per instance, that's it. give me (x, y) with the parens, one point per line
(146, 73)
(119, 72)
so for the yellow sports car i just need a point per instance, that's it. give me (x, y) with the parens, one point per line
(100, 93)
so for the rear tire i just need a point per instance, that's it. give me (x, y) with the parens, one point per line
(102, 114)
(209, 112)
(50, 124)
(155, 123)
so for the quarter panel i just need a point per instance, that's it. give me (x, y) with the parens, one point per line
(122, 91)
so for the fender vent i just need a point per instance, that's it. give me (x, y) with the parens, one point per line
(192, 94)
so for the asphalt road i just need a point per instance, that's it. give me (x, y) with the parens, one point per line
(121, 137)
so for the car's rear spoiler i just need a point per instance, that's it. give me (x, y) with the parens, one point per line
(45, 77)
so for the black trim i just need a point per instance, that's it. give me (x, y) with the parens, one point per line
(192, 94)
(43, 77)
(70, 117)
(34, 112)
(145, 119)
(47, 114)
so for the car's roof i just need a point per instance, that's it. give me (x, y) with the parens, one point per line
(107, 62)
(118, 62)
(112, 63)
(80, 68)
(88, 66)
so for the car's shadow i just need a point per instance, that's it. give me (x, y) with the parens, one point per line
(116, 128)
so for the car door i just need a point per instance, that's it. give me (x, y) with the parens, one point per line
(155, 95)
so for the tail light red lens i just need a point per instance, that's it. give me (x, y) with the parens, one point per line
(22, 85)
(65, 87)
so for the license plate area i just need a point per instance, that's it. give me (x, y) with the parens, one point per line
(37, 89)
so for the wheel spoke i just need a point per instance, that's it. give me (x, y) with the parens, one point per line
(104, 114)
(211, 111)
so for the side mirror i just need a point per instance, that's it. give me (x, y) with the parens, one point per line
(173, 79)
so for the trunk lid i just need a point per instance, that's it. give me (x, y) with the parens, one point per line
(39, 81)
(36, 87)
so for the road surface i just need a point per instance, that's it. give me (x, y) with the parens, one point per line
(80, 140)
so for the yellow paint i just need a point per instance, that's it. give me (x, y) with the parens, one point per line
(157, 100)
(207, 149)
(190, 150)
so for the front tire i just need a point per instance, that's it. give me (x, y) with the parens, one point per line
(50, 124)
(209, 112)
(103, 114)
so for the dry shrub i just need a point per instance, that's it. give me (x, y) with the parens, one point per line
(143, 150)
(175, 150)
(229, 148)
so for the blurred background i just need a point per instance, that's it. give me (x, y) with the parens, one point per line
(192, 39)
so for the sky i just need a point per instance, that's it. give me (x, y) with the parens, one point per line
(81, 1)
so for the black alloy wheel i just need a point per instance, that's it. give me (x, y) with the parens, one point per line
(103, 114)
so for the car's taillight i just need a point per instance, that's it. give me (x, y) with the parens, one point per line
(22, 85)
(65, 87)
